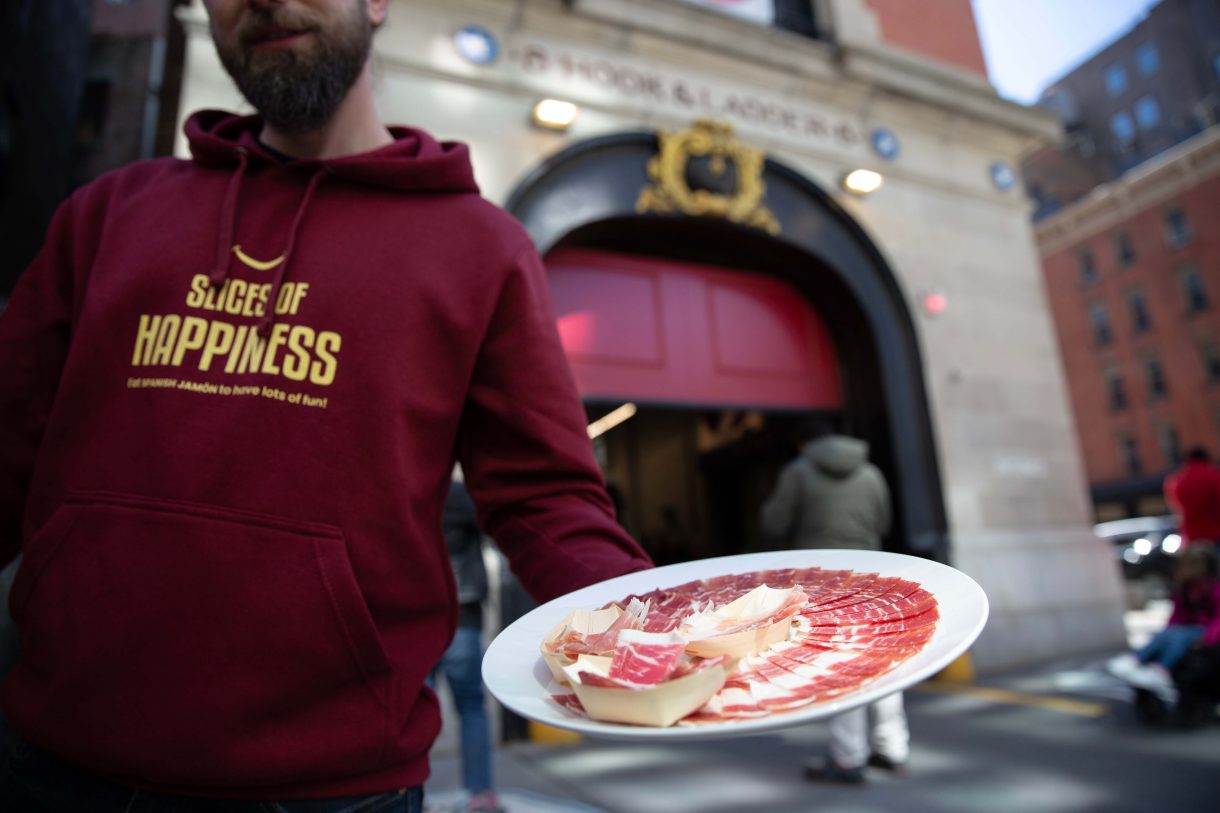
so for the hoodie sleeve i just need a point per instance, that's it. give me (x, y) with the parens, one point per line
(34, 335)
(526, 453)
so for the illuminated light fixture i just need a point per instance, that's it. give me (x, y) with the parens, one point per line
(1171, 543)
(1142, 546)
(935, 303)
(553, 114)
(862, 181)
(610, 420)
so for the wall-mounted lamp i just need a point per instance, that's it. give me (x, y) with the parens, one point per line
(553, 114)
(610, 420)
(862, 181)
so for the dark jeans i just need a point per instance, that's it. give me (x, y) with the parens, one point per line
(461, 665)
(34, 781)
(1169, 645)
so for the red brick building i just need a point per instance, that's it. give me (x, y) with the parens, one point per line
(942, 29)
(1133, 278)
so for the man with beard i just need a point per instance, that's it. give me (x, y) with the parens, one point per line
(232, 390)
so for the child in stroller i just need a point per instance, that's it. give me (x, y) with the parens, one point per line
(1179, 667)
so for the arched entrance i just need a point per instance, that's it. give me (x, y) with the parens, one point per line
(584, 199)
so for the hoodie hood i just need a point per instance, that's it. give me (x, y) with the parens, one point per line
(414, 162)
(836, 455)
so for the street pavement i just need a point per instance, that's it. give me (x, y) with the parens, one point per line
(1061, 738)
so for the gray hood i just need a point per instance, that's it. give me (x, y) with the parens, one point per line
(836, 455)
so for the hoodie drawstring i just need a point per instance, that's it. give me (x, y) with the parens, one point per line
(264, 324)
(228, 228)
(228, 220)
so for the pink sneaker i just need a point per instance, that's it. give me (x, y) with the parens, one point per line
(485, 802)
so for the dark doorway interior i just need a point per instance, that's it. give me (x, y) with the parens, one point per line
(689, 483)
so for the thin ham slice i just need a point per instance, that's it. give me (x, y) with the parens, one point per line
(645, 658)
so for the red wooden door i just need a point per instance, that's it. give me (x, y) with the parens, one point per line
(654, 330)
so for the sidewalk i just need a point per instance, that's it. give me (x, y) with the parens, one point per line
(1060, 738)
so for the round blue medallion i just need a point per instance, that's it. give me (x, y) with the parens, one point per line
(476, 44)
(885, 143)
(1002, 176)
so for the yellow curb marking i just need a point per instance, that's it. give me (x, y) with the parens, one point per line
(549, 735)
(1063, 705)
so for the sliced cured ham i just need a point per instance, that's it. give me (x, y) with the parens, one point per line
(645, 658)
(841, 631)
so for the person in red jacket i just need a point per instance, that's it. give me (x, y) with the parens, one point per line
(1193, 493)
(232, 391)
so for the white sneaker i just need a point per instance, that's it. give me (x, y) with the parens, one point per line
(1124, 666)
(1150, 676)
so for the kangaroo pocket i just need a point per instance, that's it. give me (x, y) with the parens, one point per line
(183, 645)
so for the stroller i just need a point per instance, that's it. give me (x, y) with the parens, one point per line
(1197, 688)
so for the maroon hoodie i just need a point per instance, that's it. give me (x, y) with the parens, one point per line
(231, 394)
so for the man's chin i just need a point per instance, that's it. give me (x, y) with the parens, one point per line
(261, 62)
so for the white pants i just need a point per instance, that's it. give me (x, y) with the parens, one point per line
(850, 743)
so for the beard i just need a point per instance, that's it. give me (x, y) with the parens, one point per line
(297, 89)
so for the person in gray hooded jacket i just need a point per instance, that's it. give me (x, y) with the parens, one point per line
(830, 496)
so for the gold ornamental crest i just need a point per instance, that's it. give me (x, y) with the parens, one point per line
(705, 171)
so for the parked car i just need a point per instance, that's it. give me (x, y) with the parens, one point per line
(1145, 548)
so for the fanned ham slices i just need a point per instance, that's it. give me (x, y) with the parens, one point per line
(827, 632)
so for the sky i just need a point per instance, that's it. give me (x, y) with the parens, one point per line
(1030, 43)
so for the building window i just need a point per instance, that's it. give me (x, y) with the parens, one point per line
(1193, 292)
(1147, 112)
(1116, 79)
(1129, 453)
(1122, 127)
(1147, 59)
(1171, 447)
(1209, 352)
(1177, 228)
(1124, 252)
(798, 16)
(1100, 318)
(1087, 267)
(1141, 322)
(1116, 393)
(1158, 387)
